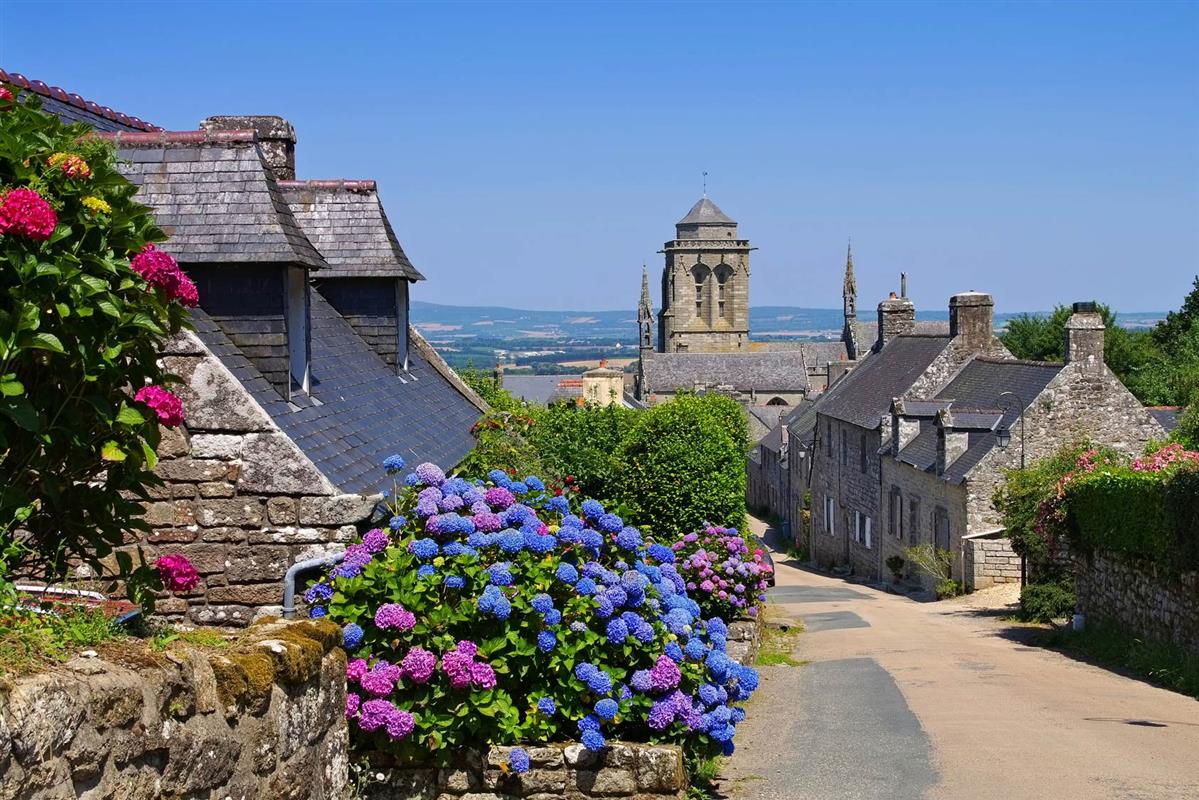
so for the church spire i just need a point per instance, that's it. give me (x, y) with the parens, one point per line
(645, 314)
(849, 292)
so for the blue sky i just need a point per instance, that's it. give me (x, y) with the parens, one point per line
(536, 154)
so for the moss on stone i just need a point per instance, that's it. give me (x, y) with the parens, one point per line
(243, 678)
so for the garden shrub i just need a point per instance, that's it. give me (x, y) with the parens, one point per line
(584, 442)
(721, 573)
(685, 464)
(932, 561)
(85, 306)
(1045, 602)
(498, 612)
(948, 588)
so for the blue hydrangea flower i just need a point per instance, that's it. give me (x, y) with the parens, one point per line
(661, 553)
(592, 509)
(558, 504)
(571, 521)
(578, 627)
(351, 636)
(426, 571)
(584, 670)
(518, 487)
(397, 522)
(566, 573)
(610, 523)
(674, 652)
(518, 759)
(593, 740)
(592, 540)
(541, 544)
(617, 631)
(589, 723)
(628, 539)
(393, 464)
(500, 574)
(424, 549)
(512, 541)
(644, 633)
(606, 709)
(708, 694)
(318, 592)
(546, 641)
(625, 692)
(641, 680)
(547, 706)
(585, 586)
(747, 678)
(493, 602)
(677, 620)
(616, 596)
(600, 682)
(694, 649)
(603, 607)
(535, 483)
(542, 603)
(737, 716)
(497, 475)
(452, 549)
(553, 616)
(454, 581)
(316, 612)
(411, 480)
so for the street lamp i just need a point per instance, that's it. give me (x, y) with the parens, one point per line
(1003, 435)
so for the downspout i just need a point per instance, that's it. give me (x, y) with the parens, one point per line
(294, 572)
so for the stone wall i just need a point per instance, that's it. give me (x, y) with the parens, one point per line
(922, 496)
(263, 720)
(569, 771)
(744, 639)
(840, 476)
(989, 560)
(1139, 596)
(239, 499)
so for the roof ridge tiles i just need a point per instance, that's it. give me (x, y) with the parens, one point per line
(345, 184)
(60, 94)
(160, 137)
(1024, 362)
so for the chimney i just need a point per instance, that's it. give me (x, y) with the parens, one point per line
(903, 285)
(970, 318)
(276, 140)
(498, 374)
(896, 316)
(951, 444)
(903, 429)
(1084, 338)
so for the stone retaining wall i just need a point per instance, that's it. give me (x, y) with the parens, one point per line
(265, 719)
(1139, 596)
(745, 637)
(566, 771)
(988, 561)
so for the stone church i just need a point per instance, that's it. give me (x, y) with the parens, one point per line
(703, 337)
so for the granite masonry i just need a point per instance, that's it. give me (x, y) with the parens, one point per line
(1139, 596)
(263, 719)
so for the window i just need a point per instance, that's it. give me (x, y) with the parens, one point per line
(941, 528)
(829, 520)
(862, 456)
(862, 531)
(896, 513)
(402, 325)
(297, 327)
(700, 273)
(914, 520)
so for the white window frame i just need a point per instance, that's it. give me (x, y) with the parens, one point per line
(297, 326)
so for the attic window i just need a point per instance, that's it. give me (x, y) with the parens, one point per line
(402, 325)
(297, 328)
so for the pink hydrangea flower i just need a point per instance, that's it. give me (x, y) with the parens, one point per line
(393, 616)
(5, 94)
(160, 269)
(356, 669)
(378, 682)
(418, 665)
(482, 675)
(353, 701)
(177, 573)
(23, 212)
(376, 714)
(166, 405)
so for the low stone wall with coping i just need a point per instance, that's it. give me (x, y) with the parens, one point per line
(745, 637)
(264, 719)
(988, 560)
(557, 772)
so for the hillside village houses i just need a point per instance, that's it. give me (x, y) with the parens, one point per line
(302, 373)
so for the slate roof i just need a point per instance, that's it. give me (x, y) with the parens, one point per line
(864, 395)
(1166, 416)
(533, 388)
(763, 371)
(71, 107)
(705, 212)
(366, 412)
(346, 222)
(817, 354)
(214, 196)
(977, 386)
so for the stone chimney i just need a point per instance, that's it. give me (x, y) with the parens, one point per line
(951, 444)
(498, 373)
(1084, 338)
(276, 140)
(896, 316)
(971, 318)
(903, 429)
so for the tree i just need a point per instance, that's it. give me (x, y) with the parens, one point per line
(1171, 333)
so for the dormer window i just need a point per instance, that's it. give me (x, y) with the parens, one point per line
(298, 334)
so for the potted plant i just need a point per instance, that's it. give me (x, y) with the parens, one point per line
(895, 564)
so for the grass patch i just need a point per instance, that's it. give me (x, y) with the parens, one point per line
(29, 642)
(702, 774)
(1164, 664)
(778, 644)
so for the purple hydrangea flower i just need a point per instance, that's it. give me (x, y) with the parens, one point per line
(498, 497)
(393, 616)
(430, 474)
(665, 674)
(375, 540)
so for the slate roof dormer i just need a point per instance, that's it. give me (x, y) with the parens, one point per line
(346, 222)
(215, 197)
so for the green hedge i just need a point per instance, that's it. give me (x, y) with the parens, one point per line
(1147, 514)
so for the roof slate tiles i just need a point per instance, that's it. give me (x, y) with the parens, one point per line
(763, 371)
(864, 395)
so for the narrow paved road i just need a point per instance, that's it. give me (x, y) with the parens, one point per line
(904, 700)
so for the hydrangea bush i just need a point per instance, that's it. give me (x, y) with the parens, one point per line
(501, 612)
(725, 577)
(86, 303)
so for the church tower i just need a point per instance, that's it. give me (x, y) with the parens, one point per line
(705, 285)
(849, 305)
(645, 315)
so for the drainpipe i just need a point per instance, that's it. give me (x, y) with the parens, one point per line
(294, 572)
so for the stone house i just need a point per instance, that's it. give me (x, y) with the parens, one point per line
(943, 458)
(848, 431)
(301, 374)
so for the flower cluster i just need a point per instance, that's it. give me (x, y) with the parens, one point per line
(1167, 459)
(721, 573)
(160, 269)
(177, 573)
(543, 619)
(96, 205)
(24, 212)
(70, 164)
(167, 406)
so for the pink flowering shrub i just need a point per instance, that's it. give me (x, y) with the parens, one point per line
(725, 577)
(177, 573)
(81, 390)
(499, 612)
